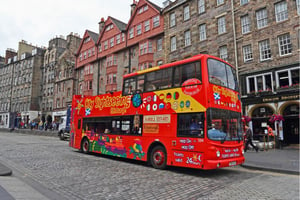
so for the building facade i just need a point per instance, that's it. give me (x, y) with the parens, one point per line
(21, 86)
(267, 42)
(85, 64)
(55, 48)
(64, 80)
(199, 26)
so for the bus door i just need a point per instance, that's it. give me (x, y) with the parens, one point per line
(188, 146)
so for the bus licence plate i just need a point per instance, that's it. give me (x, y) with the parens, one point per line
(232, 163)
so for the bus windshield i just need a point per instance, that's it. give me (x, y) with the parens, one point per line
(222, 74)
(223, 125)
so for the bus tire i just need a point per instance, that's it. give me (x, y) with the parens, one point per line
(85, 145)
(158, 157)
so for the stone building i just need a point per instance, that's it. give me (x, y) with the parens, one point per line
(55, 48)
(267, 40)
(21, 85)
(198, 26)
(6, 73)
(64, 80)
(260, 38)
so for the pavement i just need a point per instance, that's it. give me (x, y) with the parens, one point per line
(284, 160)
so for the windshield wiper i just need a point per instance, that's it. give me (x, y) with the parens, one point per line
(223, 140)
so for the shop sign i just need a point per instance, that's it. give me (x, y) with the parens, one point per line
(281, 98)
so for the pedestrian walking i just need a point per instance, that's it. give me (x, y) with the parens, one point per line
(249, 136)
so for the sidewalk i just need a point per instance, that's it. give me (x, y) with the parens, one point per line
(284, 160)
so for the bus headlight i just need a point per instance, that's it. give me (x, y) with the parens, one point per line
(243, 151)
(218, 154)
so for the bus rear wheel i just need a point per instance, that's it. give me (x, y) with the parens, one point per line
(85, 145)
(158, 157)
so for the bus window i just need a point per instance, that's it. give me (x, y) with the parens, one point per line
(129, 86)
(140, 83)
(190, 125)
(151, 80)
(217, 72)
(186, 72)
(126, 125)
(166, 79)
(231, 76)
(223, 125)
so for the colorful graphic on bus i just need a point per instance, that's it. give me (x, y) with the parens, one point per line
(186, 113)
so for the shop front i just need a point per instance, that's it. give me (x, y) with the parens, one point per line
(280, 112)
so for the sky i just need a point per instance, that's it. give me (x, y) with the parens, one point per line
(37, 21)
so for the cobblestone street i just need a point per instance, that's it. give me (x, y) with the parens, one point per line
(64, 173)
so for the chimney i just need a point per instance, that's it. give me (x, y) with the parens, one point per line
(133, 6)
(101, 25)
(9, 53)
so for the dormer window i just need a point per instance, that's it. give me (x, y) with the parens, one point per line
(87, 39)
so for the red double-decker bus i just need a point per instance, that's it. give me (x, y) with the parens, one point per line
(186, 113)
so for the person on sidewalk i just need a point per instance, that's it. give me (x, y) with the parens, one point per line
(249, 136)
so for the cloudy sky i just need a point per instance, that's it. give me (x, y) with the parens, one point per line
(37, 21)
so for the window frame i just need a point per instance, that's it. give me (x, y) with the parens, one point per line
(173, 45)
(264, 84)
(202, 32)
(187, 38)
(245, 24)
(286, 46)
(289, 76)
(264, 50)
(261, 18)
(281, 11)
(186, 13)
(201, 6)
(247, 55)
(221, 25)
(172, 19)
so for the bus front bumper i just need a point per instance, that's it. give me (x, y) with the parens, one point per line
(213, 164)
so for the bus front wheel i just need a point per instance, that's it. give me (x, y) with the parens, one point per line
(158, 157)
(85, 145)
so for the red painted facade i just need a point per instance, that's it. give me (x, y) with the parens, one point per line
(144, 12)
(109, 35)
(85, 59)
(109, 53)
(87, 45)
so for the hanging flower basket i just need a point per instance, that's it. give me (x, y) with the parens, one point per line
(275, 118)
(246, 119)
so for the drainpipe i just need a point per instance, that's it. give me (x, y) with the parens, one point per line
(234, 40)
(98, 74)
